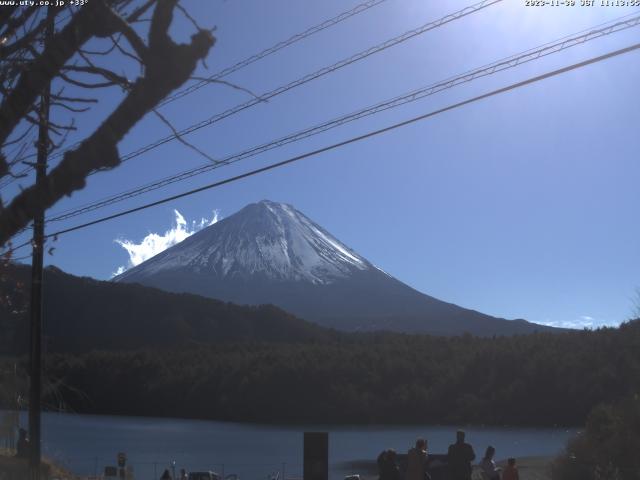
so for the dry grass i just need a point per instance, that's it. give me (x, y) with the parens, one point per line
(18, 467)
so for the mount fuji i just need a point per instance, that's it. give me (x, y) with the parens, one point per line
(270, 253)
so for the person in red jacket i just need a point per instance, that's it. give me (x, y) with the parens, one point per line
(511, 471)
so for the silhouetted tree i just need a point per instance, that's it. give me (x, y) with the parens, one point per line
(607, 448)
(29, 65)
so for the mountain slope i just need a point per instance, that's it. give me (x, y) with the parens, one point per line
(270, 252)
(82, 314)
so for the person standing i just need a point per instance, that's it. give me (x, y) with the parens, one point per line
(488, 466)
(459, 458)
(511, 471)
(166, 475)
(22, 447)
(417, 461)
(388, 464)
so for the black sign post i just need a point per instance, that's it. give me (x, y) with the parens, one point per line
(316, 456)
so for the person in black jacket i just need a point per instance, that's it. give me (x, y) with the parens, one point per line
(459, 458)
(388, 466)
(22, 447)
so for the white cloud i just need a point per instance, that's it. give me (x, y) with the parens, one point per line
(584, 321)
(121, 269)
(155, 243)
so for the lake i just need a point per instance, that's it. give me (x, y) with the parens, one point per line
(87, 443)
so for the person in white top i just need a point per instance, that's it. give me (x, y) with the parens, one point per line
(488, 466)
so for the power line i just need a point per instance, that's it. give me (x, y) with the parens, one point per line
(315, 75)
(312, 76)
(486, 70)
(9, 178)
(306, 79)
(360, 8)
(273, 49)
(351, 140)
(24, 257)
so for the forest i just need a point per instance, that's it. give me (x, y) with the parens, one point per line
(538, 380)
(133, 350)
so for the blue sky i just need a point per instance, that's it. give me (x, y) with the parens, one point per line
(520, 206)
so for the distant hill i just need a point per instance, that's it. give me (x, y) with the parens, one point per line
(189, 356)
(82, 314)
(269, 252)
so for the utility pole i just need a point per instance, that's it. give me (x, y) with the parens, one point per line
(35, 363)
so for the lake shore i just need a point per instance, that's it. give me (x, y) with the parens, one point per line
(530, 468)
(85, 444)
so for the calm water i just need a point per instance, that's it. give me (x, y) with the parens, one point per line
(87, 443)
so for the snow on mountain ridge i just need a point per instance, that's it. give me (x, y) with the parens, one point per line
(269, 238)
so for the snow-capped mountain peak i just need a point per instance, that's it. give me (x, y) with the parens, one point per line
(265, 238)
(270, 253)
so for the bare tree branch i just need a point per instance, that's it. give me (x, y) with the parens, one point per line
(116, 42)
(135, 15)
(181, 139)
(14, 23)
(22, 42)
(18, 139)
(130, 34)
(81, 84)
(61, 48)
(189, 17)
(232, 85)
(69, 108)
(112, 77)
(74, 99)
(167, 66)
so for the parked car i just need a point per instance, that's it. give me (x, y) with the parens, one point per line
(204, 476)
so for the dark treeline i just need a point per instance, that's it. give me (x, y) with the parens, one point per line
(539, 379)
(164, 354)
(82, 314)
